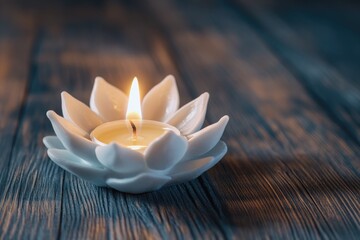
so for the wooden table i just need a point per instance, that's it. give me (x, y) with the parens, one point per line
(287, 74)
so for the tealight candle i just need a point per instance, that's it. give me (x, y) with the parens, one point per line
(133, 132)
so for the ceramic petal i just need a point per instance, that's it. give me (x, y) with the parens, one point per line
(73, 138)
(78, 113)
(161, 101)
(120, 159)
(205, 139)
(188, 170)
(191, 116)
(165, 151)
(53, 142)
(108, 101)
(176, 156)
(141, 183)
(77, 166)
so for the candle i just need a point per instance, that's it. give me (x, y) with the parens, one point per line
(134, 133)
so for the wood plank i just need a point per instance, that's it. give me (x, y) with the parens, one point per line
(320, 45)
(29, 197)
(291, 172)
(15, 44)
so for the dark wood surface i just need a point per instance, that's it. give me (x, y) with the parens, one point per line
(285, 71)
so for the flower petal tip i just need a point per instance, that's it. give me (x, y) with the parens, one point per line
(120, 159)
(73, 138)
(99, 79)
(224, 119)
(50, 114)
(162, 101)
(166, 151)
(205, 139)
(188, 170)
(107, 101)
(53, 142)
(71, 107)
(190, 118)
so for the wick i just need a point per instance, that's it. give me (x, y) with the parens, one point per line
(133, 130)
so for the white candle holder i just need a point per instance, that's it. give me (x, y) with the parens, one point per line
(170, 159)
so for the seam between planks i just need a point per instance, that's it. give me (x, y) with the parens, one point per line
(32, 69)
(271, 41)
(33, 53)
(58, 236)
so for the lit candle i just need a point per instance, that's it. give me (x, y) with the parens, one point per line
(133, 132)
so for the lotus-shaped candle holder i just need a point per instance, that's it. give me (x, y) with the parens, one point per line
(173, 157)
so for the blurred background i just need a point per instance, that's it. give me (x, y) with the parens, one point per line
(255, 52)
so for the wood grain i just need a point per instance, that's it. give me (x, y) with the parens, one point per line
(318, 44)
(30, 196)
(275, 127)
(292, 171)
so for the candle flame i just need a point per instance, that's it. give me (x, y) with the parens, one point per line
(134, 106)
